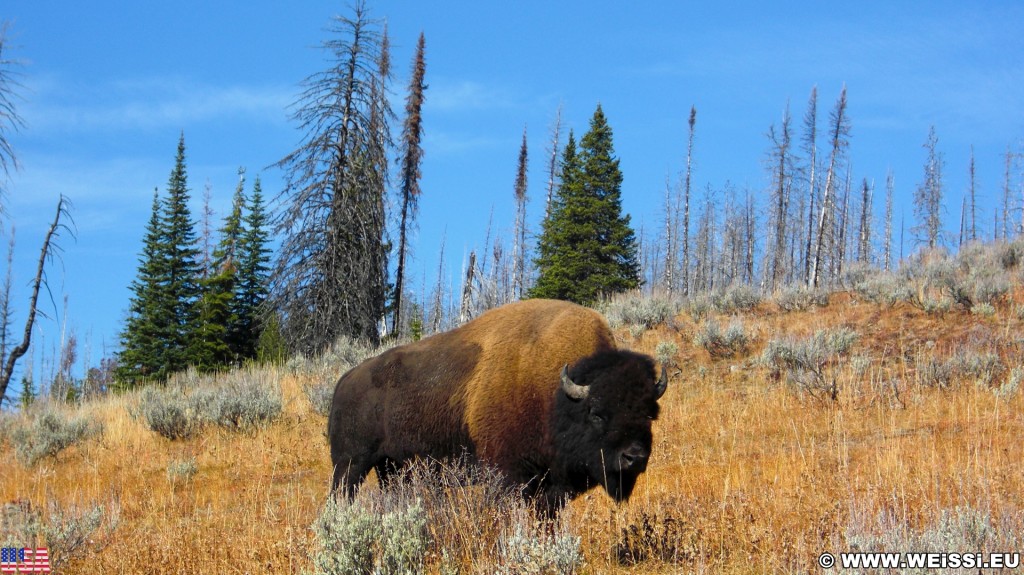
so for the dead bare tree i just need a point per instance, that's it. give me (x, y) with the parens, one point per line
(839, 131)
(928, 196)
(10, 120)
(811, 145)
(50, 247)
(782, 174)
(864, 226)
(412, 135)
(553, 164)
(889, 189)
(685, 265)
(519, 233)
(1007, 195)
(972, 228)
(466, 306)
(331, 271)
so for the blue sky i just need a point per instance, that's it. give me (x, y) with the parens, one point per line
(108, 87)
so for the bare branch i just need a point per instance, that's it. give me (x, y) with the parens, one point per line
(45, 255)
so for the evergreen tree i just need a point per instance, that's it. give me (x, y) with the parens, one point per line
(214, 344)
(160, 330)
(182, 268)
(28, 393)
(253, 273)
(145, 329)
(587, 248)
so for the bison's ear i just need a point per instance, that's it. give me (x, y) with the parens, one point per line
(576, 392)
(662, 384)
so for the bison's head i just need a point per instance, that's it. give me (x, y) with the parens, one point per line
(602, 420)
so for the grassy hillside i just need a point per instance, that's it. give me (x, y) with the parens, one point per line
(756, 468)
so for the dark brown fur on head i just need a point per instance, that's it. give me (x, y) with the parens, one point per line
(605, 438)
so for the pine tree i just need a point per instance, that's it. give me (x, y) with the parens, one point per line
(145, 329)
(587, 248)
(214, 343)
(162, 322)
(182, 267)
(253, 274)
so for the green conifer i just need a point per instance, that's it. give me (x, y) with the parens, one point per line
(587, 248)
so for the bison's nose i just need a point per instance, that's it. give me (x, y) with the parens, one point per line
(633, 456)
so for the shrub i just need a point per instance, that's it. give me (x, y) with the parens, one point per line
(1012, 384)
(182, 470)
(639, 311)
(663, 531)
(169, 413)
(320, 393)
(48, 431)
(528, 550)
(983, 309)
(884, 288)
(808, 363)
(964, 528)
(69, 531)
(345, 534)
(665, 352)
(244, 400)
(800, 298)
(239, 400)
(352, 538)
(737, 297)
(733, 341)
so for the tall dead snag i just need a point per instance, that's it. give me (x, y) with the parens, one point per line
(685, 280)
(412, 136)
(782, 173)
(972, 227)
(864, 226)
(466, 306)
(330, 278)
(928, 196)
(519, 242)
(839, 131)
(45, 255)
(556, 135)
(811, 143)
(890, 186)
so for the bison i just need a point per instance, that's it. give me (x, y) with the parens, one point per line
(536, 389)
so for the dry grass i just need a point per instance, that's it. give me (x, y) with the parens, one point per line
(748, 475)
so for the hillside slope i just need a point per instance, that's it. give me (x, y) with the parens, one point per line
(753, 471)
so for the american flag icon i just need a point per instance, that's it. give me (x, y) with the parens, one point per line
(24, 560)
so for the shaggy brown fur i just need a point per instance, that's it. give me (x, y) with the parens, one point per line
(485, 390)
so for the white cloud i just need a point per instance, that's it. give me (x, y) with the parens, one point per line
(463, 95)
(150, 103)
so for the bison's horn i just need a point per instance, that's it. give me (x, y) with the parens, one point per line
(577, 392)
(662, 385)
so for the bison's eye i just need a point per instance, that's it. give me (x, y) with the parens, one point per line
(596, 418)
